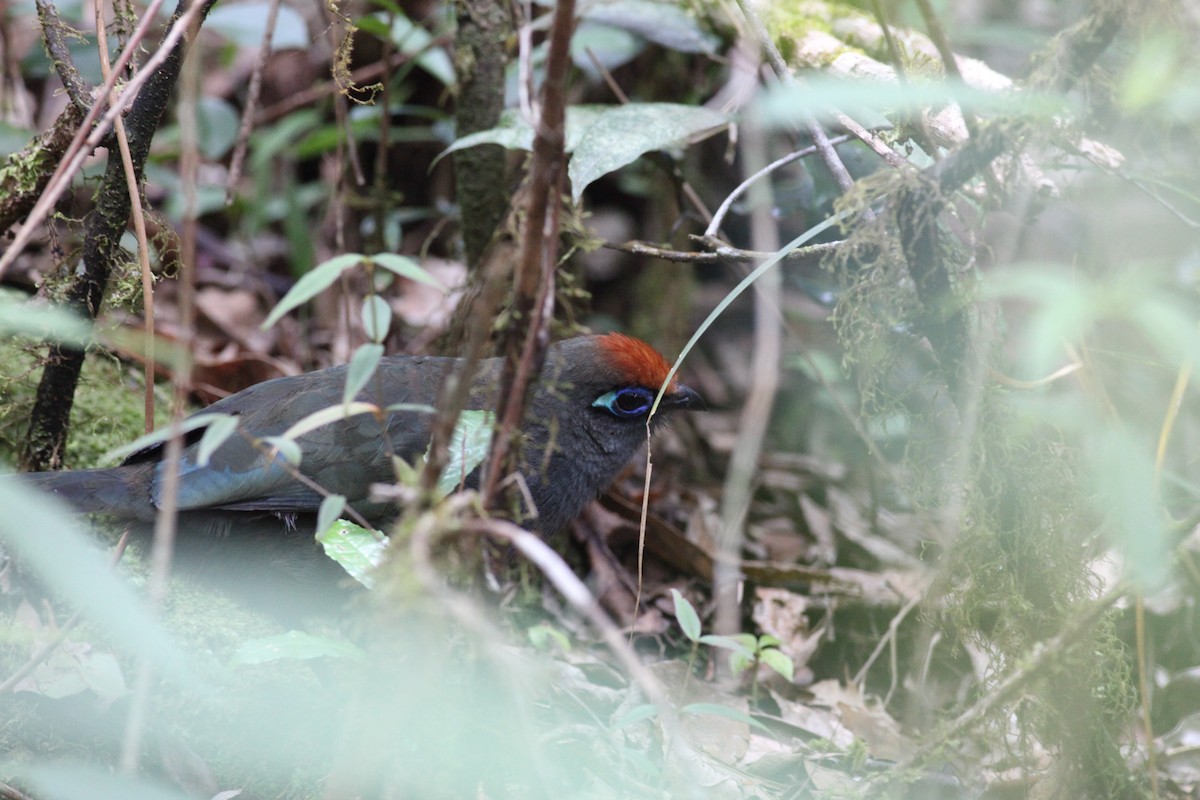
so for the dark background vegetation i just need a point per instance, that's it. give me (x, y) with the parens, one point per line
(946, 494)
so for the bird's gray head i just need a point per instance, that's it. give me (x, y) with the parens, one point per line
(589, 416)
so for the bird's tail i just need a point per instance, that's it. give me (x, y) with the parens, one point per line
(118, 491)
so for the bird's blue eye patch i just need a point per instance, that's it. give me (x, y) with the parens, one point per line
(631, 401)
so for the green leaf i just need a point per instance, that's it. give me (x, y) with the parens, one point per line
(610, 46)
(43, 323)
(767, 640)
(245, 24)
(418, 42)
(362, 367)
(779, 661)
(47, 538)
(217, 123)
(602, 139)
(325, 416)
(358, 549)
(279, 139)
(667, 24)
(866, 101)
(331, 508)
(1120, 469)
(69, 780)
(635, 714)
(315, 281)
(468, 447)
(221, 428)
(722, 711)
(406, 268)
(287, 448)
(373, 25)
(297, 645)
(14, 138)
(158, 437)
(742, 643)
(513, 131)
(1156, 67)
(543, 635)
(376, 318)
(686, 614)
(623, 133)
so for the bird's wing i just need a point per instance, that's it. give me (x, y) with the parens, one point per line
(343, 457)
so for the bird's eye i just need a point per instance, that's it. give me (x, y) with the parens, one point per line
(632, 401)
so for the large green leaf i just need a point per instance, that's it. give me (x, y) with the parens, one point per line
(358, 549)
(623, 133)
(668, 24)
(245, 24)
(603, 139)
(296, 645)
(47, 538)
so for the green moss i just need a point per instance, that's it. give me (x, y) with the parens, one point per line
(22, 171)
(1018, 568)
(107, 413)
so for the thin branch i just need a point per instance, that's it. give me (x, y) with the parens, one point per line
(84, 142)
(139, 226)
(573, 590)
(312, 94)
(251, 107)
(162, 546)
(719, 217)
(722, 253)
(937, 34)
(54, 34)
(533, 298)
(889, 38)
(17, 195)
(833, 161)
(756, 414)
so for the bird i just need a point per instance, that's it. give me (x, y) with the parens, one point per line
(589, 412)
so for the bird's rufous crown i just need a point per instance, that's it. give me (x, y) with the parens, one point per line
(640, 363)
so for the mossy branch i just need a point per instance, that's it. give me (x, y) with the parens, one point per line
(101, 252)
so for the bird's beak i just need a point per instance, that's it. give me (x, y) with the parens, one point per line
(683, 397)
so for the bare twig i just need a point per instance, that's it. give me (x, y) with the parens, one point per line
(84, 141)
(165, 523)
(251, 107)
(309, 96)
(937, 34)
(719, 217)
(722, 253)
(139, 226)
(12, 793)
(752, 426)
(54, 34)
(573, 590)
(833, 161)
(533, 297)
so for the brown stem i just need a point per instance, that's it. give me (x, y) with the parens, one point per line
(526, 341)
(101, 251)
(54, 33)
